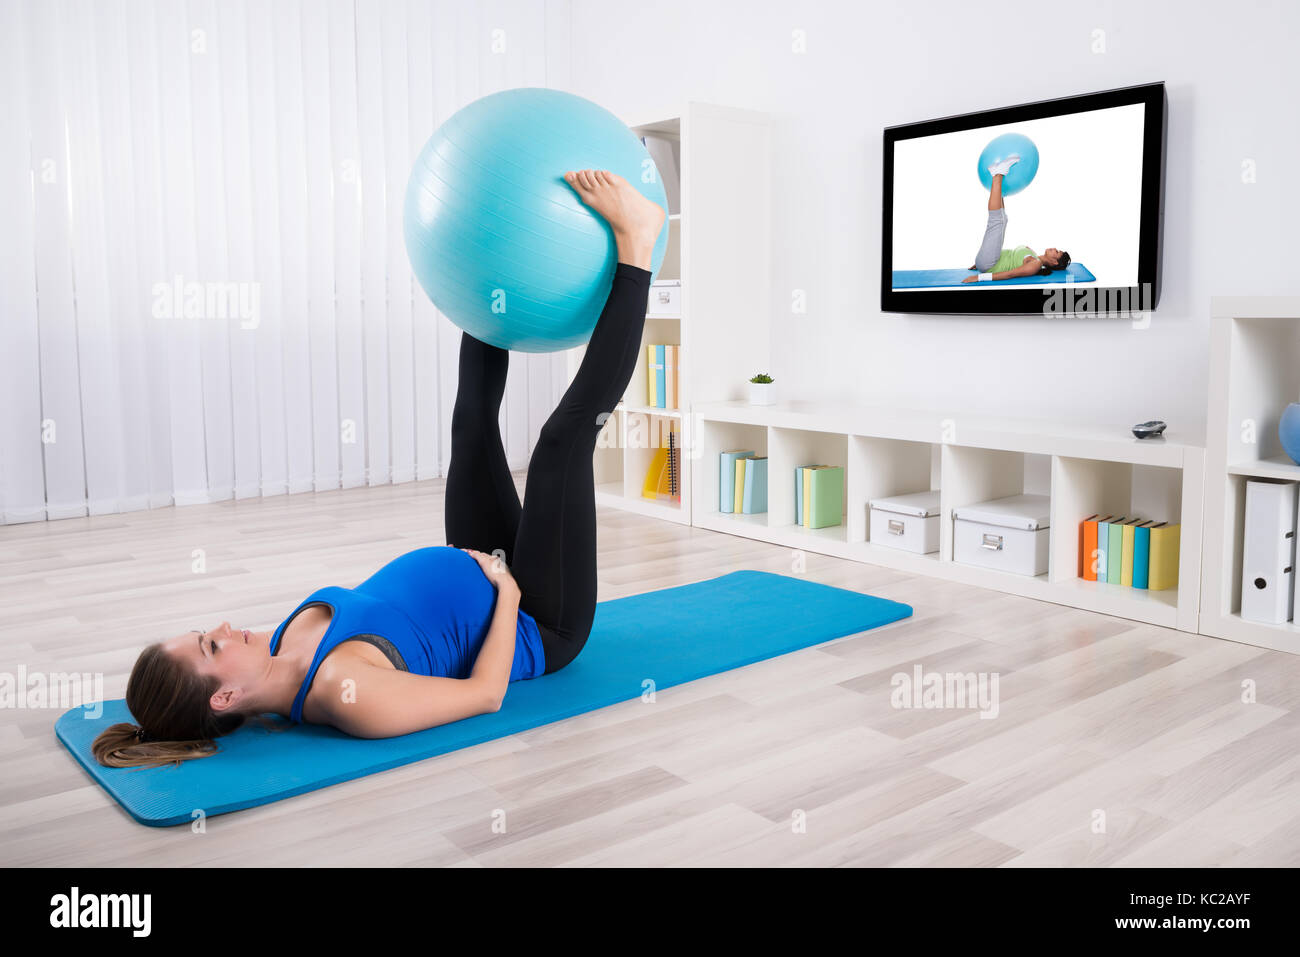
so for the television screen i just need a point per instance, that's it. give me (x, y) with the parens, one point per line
(1046, 208)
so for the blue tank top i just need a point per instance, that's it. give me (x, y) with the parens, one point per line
(428, 611)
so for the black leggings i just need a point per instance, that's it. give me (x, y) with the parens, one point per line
(549, 542)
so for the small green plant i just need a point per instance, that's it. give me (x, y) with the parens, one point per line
(762, 378)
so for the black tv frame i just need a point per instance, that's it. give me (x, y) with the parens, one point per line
(1032, 300)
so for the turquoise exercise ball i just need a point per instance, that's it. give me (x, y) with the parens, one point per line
(1022, 173)
(1288, 432)
(499, 241)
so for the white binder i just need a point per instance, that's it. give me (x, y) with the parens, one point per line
(1268, 553)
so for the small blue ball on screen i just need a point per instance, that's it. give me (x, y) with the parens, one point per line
(1021, 173)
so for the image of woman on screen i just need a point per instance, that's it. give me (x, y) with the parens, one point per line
(992, 261)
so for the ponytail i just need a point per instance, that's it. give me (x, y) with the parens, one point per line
(123, 746)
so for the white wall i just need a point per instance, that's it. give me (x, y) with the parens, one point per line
(1232, 87)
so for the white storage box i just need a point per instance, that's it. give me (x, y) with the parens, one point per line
(909, 522)
(1009, 534)
(665, 298)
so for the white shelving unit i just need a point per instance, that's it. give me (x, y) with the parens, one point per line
(719, 247)
(888, 451)
(1254, 374)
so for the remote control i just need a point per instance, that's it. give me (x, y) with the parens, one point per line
(1147, 430)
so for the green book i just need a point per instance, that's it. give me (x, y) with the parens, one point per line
(1115, 551)
(1103, 542)
(826, 497)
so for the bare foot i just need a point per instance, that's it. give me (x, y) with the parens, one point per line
(636, 221)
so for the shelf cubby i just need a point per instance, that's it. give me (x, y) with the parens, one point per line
(657, 329)
(714, 438)
(644, 433)
(972, 475)
(1086, 487)
(881, 467)
(1265, 377)
(791, 448)
(1283, 637)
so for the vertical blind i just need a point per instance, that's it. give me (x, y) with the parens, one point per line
(205, 290)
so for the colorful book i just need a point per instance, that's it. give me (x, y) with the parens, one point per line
(755, 497)
(825, 505)
(798, 495)
(670, 376)
(727, 478)
(1163, 570)
(1087, 545)
(654, 380)
(660, 398)
(1126, 562)
(1141, 554)
(1099, 550)
(1103, 546)
(738, 493)
(1115, 550)
(1103, 538)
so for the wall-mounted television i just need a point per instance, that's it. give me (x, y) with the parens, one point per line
(1050, 208)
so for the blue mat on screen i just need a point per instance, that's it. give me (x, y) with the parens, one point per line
(670, 636)
(928, 278)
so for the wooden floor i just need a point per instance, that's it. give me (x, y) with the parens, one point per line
(1115, 743)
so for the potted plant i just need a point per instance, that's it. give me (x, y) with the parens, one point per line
(761, 390)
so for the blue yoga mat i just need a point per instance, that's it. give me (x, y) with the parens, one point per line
(669, 637)
(929, 278)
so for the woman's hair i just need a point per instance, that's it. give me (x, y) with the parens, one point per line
(1047, 270)
(172, 703)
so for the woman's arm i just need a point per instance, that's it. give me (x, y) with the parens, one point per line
(1030, 268)
(366, 701)
(497, 655)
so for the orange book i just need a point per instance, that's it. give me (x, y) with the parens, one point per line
(1088, 548)
(1087, 542)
